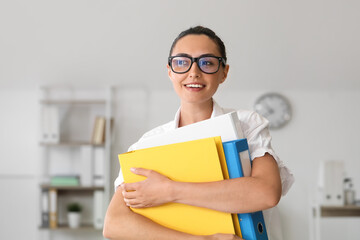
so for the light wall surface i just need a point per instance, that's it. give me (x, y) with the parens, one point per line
(306, 50)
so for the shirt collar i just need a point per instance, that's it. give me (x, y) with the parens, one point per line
(217, 110)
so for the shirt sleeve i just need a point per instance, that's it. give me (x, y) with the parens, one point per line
(256, 130)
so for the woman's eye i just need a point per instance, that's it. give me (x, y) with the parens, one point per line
(206, 63)
(181, 63)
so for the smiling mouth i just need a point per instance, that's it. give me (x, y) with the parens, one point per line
(194, 85)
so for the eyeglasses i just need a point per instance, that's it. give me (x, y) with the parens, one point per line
(207, 64)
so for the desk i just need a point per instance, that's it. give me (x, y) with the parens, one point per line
(319, 212)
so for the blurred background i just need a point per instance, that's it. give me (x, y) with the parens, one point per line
(307, 51)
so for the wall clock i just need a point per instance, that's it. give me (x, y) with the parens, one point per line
(275, 108)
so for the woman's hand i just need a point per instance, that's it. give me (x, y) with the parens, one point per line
(222, 236)
(153, 191)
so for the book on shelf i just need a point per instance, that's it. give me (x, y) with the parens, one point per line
(64, 180)
(193, 161)
(98, 134)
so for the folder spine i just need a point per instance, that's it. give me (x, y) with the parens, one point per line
(53, 221)
(252, 224)
(45, 209)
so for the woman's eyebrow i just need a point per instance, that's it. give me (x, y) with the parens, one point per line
(182, 55)
(202, 55)
(208, 55)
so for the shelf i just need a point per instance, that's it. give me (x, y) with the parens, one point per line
(71, 144)
(71, 121)
(78, 102)
(340, 211)
(67, 228)
(71, 188)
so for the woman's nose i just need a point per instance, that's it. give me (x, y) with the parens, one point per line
(194, 70)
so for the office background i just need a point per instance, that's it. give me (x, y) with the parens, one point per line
(306, 50)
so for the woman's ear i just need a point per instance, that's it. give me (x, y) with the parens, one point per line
(169, 71)
(225, 73)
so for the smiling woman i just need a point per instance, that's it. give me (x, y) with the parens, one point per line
(197, 66)
(197, 81)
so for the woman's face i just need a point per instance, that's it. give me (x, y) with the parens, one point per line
(196, 86)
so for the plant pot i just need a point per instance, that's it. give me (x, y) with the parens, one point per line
(74, 219)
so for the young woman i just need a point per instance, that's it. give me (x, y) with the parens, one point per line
(196, 67)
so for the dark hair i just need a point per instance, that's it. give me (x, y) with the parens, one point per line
(198, 30)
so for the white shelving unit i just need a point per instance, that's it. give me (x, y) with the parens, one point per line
(319, 212)
(66, 140)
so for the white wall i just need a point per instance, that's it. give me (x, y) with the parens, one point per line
(307, 50)
(271, 44)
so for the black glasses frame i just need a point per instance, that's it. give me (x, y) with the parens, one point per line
(220, 59)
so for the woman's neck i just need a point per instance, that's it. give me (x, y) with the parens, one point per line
(192, 113)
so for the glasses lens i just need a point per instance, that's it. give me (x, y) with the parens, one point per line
(209, 64)
(180, 64)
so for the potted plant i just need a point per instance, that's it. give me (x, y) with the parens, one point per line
(74, 214)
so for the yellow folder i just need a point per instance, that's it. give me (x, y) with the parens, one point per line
(193, 161)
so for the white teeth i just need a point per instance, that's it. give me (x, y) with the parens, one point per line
(194, 85)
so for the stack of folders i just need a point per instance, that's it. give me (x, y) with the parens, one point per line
(181, 144)
(49, 216)
(193, 161)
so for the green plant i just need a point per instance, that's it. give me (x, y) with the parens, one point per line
(74, 207)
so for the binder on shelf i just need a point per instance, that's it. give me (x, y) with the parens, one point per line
(50, 129)
(44, 209)
(252, 224)
(192, 161)
(87, 166)
(99, 213)
(54, 125)
(53, 221)
(99, 159)
(45, 125)
(331, 188)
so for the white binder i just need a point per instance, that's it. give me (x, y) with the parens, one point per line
(50, 125)
(331, 177)
(227, 126)
(87, 166)
(98, 209)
